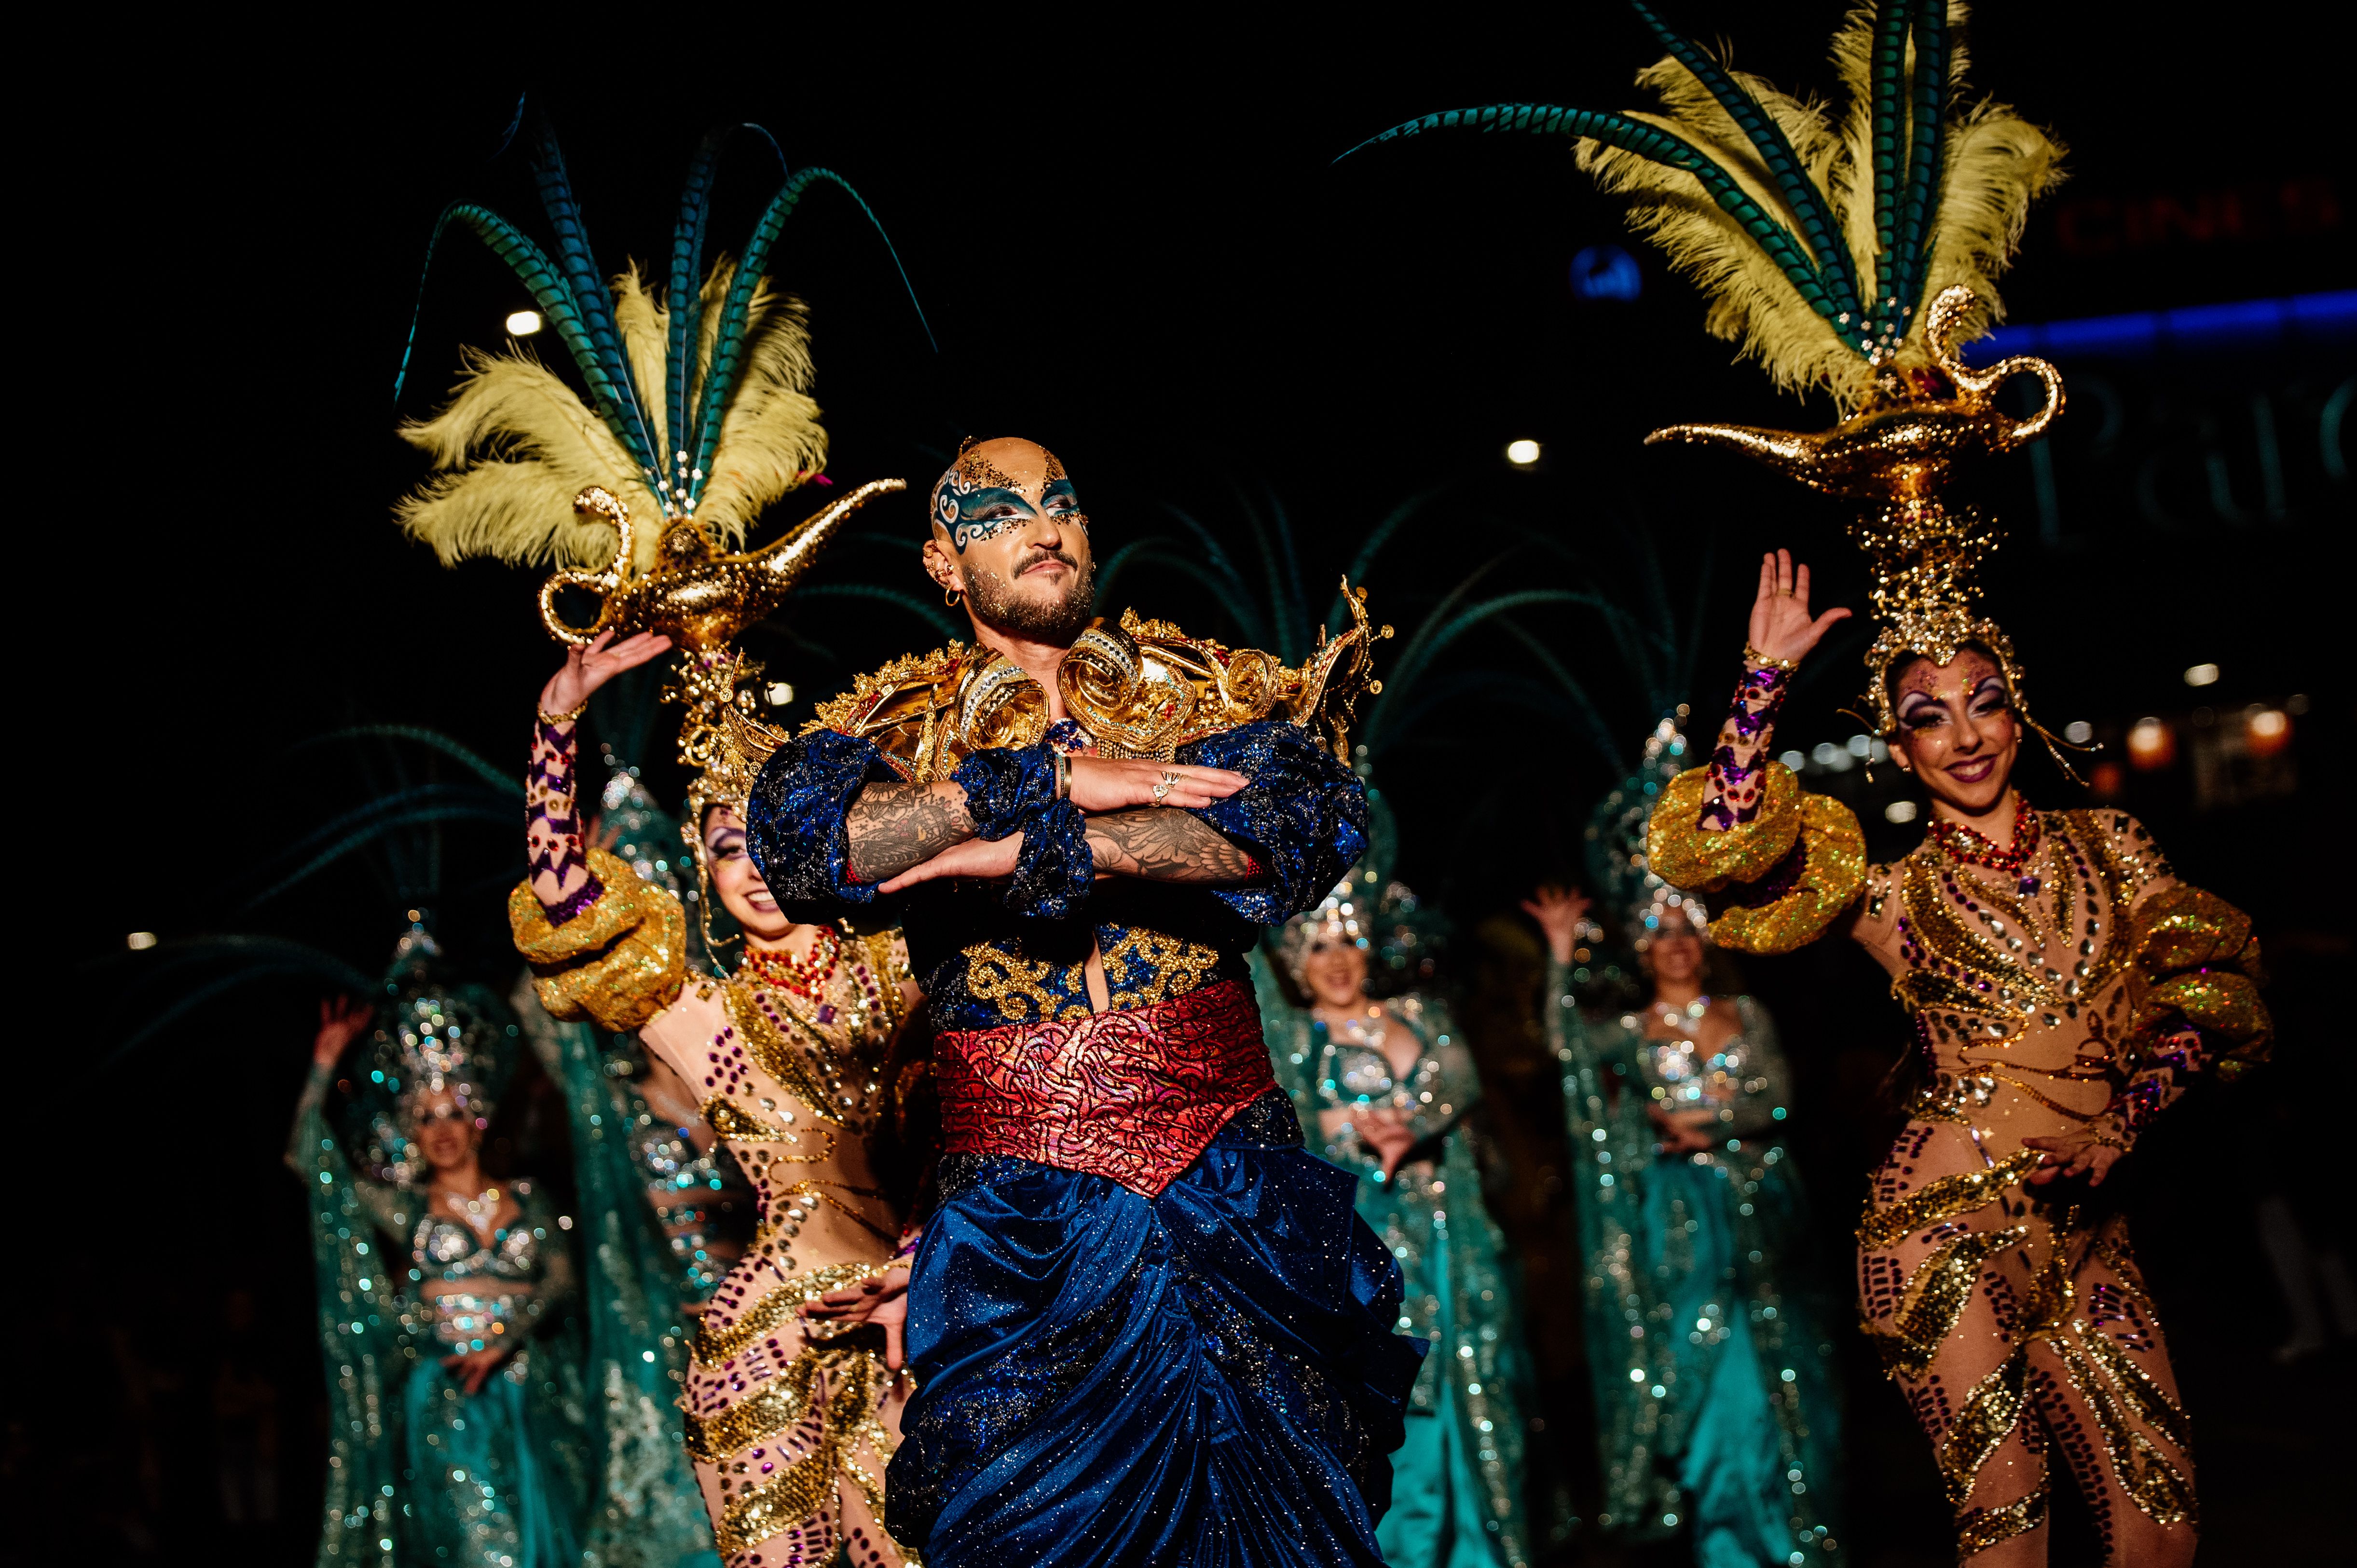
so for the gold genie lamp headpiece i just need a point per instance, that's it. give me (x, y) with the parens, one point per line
(698, 412)
(697, 595)
(1818, 231)
(1899, 454)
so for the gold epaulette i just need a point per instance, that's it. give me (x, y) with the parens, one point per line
(1141, 688)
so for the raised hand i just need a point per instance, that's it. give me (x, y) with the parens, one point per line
(1780, 627)
(1558, 911)
(1103, 784)
(341, 1019)
(590, 667)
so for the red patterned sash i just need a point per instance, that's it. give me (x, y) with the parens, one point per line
(1133, 1094)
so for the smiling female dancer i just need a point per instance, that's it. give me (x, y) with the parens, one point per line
(2066, 988)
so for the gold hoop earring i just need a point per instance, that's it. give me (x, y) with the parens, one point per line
(950, 597)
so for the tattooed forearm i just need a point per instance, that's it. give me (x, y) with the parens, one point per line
(895, 826)
(1162, 845)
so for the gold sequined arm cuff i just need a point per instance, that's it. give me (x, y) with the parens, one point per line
(618, 962)
(2197, 963)
(1790, 905)
(1682, 855)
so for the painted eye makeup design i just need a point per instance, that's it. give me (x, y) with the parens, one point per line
(1917, 710)
(1990, 697)
(974, 529)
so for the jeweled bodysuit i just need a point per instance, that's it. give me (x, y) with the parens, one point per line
(2067, 985)
(789, 1427)
(779, 1417)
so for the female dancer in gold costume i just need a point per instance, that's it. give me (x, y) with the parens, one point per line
(2066, 988)
(700, 418)
(790, 1417)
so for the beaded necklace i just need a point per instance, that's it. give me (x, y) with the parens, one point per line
(804, 977)
(1971, 846)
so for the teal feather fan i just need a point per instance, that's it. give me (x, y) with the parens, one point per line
(1817, 234)
(697, 409)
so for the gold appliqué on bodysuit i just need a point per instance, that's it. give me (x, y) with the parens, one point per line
(1935, 1297)
(1943, 1199)
(804, 1487)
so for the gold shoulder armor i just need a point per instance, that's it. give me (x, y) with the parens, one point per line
(1141, 688)
(1144, 688)
(902, 707)
(618, 962)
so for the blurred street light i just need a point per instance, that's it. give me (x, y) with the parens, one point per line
(2152, 746)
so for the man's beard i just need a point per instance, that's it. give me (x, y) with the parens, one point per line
(1059, 620)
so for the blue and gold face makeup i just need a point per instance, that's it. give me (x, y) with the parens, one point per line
(979, 498)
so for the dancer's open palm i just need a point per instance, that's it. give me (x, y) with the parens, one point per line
(588, 667)
(1780, 627)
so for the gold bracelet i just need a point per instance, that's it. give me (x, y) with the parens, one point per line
(1754, 656)
(569, 716)
(1063, 777)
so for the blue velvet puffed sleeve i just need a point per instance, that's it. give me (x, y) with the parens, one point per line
(1303, 816)
(794, 817)
(1056, 868)
(1011, 790)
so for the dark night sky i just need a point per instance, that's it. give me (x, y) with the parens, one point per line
(1135, 248)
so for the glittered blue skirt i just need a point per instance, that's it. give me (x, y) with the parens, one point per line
(1201, 1379)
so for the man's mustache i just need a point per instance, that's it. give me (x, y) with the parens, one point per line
(1025, 562)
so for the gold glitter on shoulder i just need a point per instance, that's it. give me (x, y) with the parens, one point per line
(855, 712)
(900, 707)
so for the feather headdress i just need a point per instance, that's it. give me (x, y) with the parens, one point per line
(698, 407)
(1818, 233)
(1849, 251)
(698, 412)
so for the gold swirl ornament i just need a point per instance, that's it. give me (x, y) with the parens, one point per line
(1905, 447)
(1001, 705)
(1134, 703)
(694, 595)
